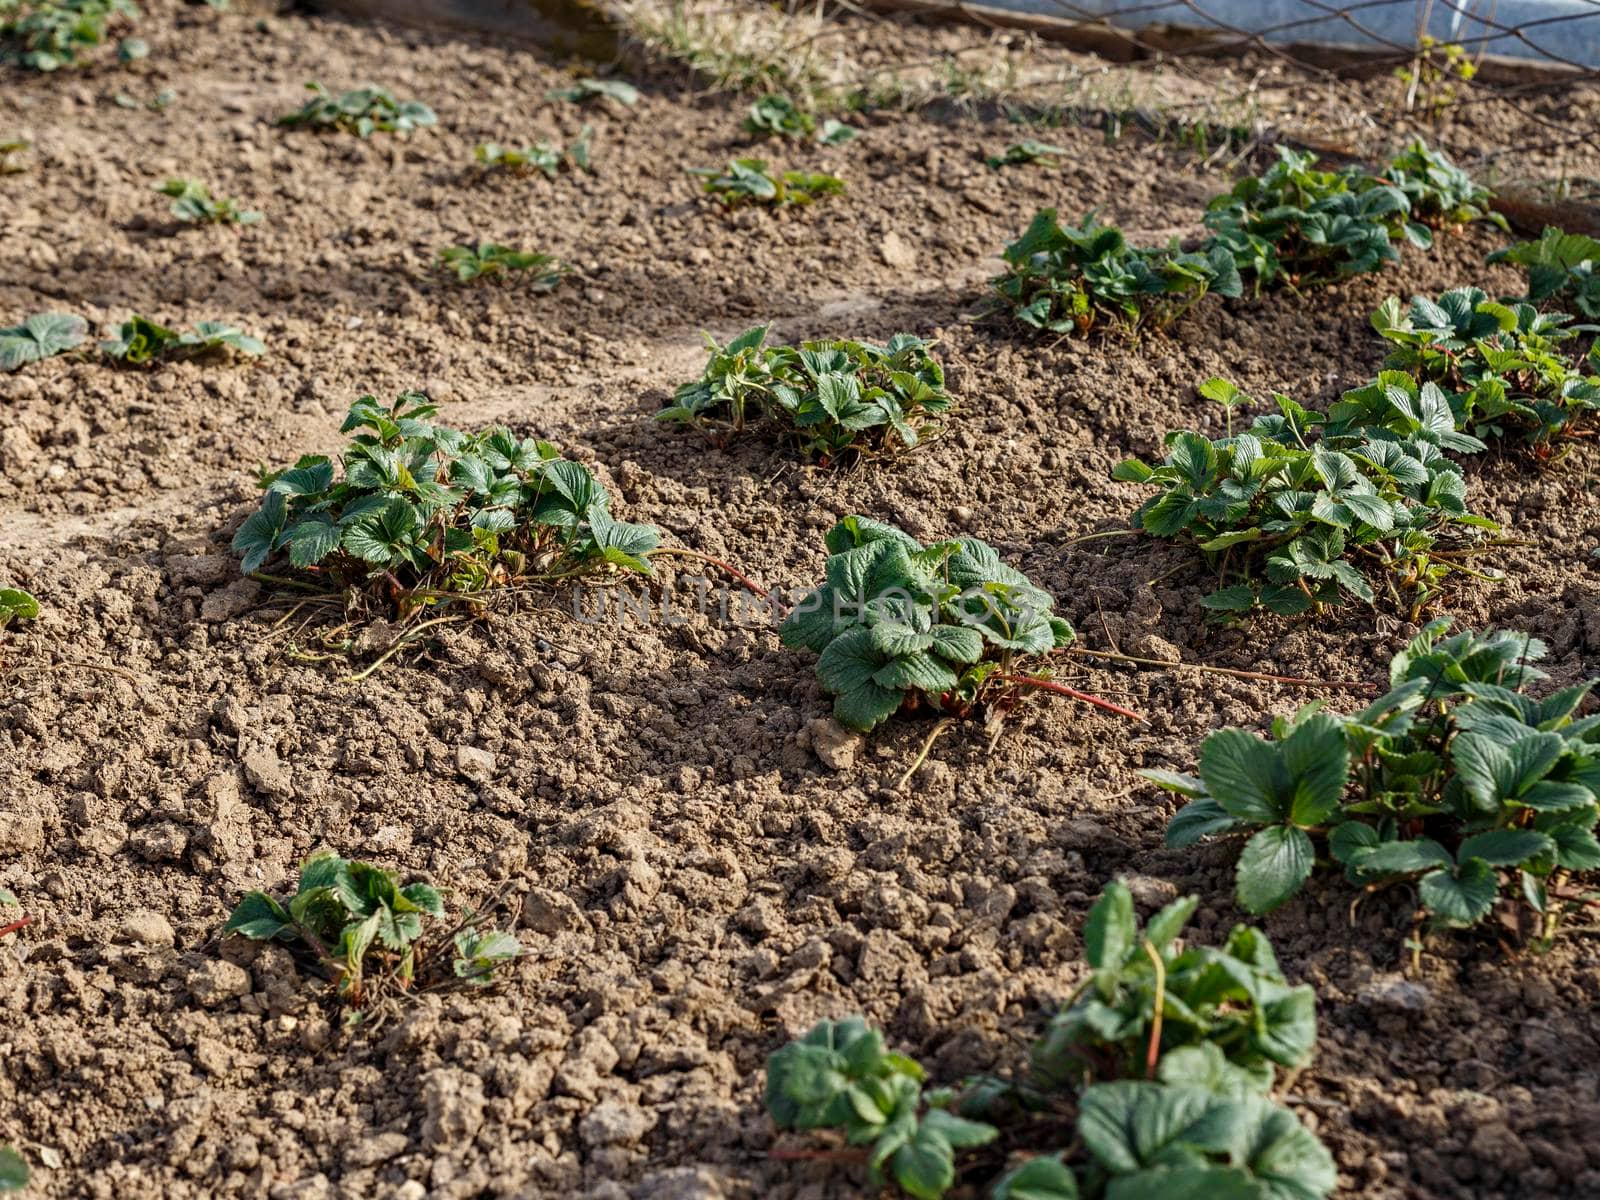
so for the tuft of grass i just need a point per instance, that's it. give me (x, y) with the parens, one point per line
(801, 52)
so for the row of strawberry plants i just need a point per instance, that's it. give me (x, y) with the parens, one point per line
(414, 516)
(1294, 225)
(1164, 1060)
(1457, 781)
(1308, 508)
(139, 341)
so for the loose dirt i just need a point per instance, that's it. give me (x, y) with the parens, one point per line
(693, 884)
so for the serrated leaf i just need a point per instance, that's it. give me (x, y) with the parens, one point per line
(1110, 933)
(1274, 864)
(1042, 1178)
(40, 336)
(866, 706)
(259, 917)
(1505, 847)
(1462, 895)
(1202, 817)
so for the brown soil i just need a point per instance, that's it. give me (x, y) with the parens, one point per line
(694, 886)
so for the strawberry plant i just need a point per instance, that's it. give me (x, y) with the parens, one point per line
(1440, 193)
(1304, 226)
(140, 341)
(1457, 781)
(1559, 265)
(492, 261)
(541, 156)
(584, 90)
(778, 116)
(1025, 152)
(45, 35)
(839, 1076)
(13, 1170)
(356, 925)
(1301, 524)
(1170, 1054)
(775, 115)
(424, 514)
(1154, 1139)
(362, 111)
(750, 181)
(1066, 278)
(835, 133)
(1220, 1018)
(833, 397)
(43, 335)
(898, 625)
(193, 204)
(1503, 365)
(16, 605)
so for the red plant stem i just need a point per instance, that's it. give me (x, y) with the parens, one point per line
(15, 925)
(837, 1156)
(1235, 672)
(751, 585)
(1062, 689)
(1152, 1055)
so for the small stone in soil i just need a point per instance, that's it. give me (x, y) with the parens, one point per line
(216, 982)
(836, 746)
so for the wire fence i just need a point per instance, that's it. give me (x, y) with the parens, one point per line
(1508, 85)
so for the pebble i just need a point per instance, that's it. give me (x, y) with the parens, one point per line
(267, 773)
(1395, 993)
(475, 765)
(216, 982)
(613, 1123)
(836, 747)
(147, 929)
(545, 911)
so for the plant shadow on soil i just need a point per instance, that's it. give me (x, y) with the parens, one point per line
(702, 887)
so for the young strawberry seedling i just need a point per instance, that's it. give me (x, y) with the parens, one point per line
(1025, 152)
(1457, 782)
(45, 35)
(357, 926)
(947, 627)
(491, 261)
(11, 153)
(774, 115)
(1503, 366)
(16, 605)
(1440, 193)
(584, 90)
(13, 1167)
(1150, 1009)
(140, 342)
(840, 1076)
(193, 204)
(363, 112)
(13, 1170)
(750, 181)
(425, 515)
(1300, 525)
(837, 399)
(1168, 1056)
(541, 156)
(1306, 227)
(1066, 279)
(1560, 266)
(43, 335)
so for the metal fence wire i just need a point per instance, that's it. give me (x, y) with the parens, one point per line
(1509, 84)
